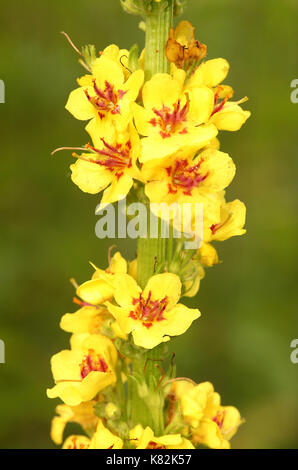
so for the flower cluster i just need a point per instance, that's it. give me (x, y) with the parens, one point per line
(156, 138)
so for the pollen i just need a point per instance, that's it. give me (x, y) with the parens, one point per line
(148, 310)
(92, 362)
(171, 120)
(185, 176)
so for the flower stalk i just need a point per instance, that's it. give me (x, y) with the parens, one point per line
(152, 120)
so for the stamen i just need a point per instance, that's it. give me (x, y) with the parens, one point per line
(83, 149)
(184, 176)
(92, 362)
(170, 120)
(148, 311)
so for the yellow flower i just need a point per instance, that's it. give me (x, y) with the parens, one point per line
(186, 176)
(76, 442)
(217, 431)
(225, 115)
(83, 371)
(152, 315)
(210, 423)
(100, 288)
(104, 439)
(196, 400)
(104, 97)
(111, 166)
(172, 119)
(145, 439)
(232, 220)
(82, 414)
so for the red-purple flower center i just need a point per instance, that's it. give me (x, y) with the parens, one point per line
(106, 100)
(219, 418)
(185, 176)
(92, 362)
(170, 121)
(148, 310)
(115, 157)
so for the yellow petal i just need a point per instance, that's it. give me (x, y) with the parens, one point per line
(230, 118)
(180, 318)
(117, 191)
(126, 289)
(133, 84)
(79, 106)
(161, 90)
(95, 292)
(210, 73)
(164, 285)
(89, 177)
(104, 439)
(106, 70)
(78, 322)
(201, 104)
(219, 167)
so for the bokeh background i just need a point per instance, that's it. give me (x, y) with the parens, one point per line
(248, 303)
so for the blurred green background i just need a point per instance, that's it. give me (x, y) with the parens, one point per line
(248, 303)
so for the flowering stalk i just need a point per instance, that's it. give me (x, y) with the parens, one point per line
(153, 121)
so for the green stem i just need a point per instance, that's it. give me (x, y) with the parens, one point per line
(158, 25)
(151, 251)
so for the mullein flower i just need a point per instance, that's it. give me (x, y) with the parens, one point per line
(188, 177)
(232, 221)
(154, 314)
(225, 115)
(210, 423)
(82, 414)
(104, 97)
(100, 288)
(144, 439)
(82, 372)
(171, 118)
(216, 431)
(111, 166)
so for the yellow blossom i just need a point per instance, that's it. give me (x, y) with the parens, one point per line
(152, 315)
(171, 118)
(104, 439)
(217, 431)
(210, 423)
(225, 115)
(105, 97)
(145, 439)
(82, 372)
(232, 220)
(186, 176)
(82, 414)
(110, 166)
(100, 288)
